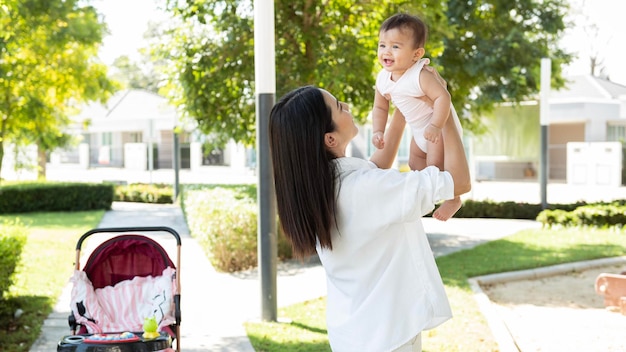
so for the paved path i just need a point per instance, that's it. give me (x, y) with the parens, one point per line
(214, 305)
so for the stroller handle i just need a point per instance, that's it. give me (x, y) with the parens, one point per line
(128, 229)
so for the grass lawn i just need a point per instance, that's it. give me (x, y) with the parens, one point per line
(46, 266)
(468, 330)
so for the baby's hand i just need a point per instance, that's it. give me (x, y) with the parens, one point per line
(378, 140)
(432, 133)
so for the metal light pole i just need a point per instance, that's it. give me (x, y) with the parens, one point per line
(265, 83)
(176, 162)
(150, 148)
(544, 112)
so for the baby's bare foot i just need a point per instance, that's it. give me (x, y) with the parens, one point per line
(447, 209)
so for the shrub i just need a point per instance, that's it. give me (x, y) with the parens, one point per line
(556, 217)
(599, 215)
(144, 193)
(54, 196)
(12, 241)
(224, 221)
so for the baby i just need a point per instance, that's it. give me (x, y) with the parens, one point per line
(420, 97)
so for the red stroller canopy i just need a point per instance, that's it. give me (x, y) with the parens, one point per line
(124, 257)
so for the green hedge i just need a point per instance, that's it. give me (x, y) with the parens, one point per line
(54, 196)
(507, 210)
(12, 241)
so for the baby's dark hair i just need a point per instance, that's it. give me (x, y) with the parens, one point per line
(404, 22)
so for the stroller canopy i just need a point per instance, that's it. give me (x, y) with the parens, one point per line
(125, 257)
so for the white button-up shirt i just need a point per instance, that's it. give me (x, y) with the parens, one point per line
(383, 283)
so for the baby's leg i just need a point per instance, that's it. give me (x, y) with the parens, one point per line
(417, 157)
(449, 207)
(435, 154)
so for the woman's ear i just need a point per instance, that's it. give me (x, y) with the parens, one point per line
(330, 140)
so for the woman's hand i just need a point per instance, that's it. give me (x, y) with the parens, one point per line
(437, 76)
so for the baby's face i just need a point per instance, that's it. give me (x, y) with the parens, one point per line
(396, 51)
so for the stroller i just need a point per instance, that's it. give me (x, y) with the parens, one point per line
(127, 296)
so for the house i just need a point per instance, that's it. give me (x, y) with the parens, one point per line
(135, 130)
(584, 118)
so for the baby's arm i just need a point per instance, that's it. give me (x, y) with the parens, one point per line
(380, 113)
(384, 158)
(440, 97)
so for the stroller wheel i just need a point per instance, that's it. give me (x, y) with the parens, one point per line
(73, 339)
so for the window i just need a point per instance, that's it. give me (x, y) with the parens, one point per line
(105, 152)
(107, 138)
(136, 137)
(616, 133)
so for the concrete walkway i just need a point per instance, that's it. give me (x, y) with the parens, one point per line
(214, 305)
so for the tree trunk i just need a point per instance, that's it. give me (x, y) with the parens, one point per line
(1, 156)
(41, 163)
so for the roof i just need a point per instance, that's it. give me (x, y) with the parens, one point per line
(587, 87)
(131, 104)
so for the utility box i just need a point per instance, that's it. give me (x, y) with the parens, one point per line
(594, 163)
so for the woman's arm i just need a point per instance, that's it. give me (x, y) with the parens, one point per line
(383, 158)
(454, 159)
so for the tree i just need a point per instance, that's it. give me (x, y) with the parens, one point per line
(494, 54)
(598, 43)
(489, 51)
(47, 68)
(133, 75)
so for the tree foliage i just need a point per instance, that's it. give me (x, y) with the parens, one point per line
(134, 75)
(489, 51)
(47, 68)
(496, 50)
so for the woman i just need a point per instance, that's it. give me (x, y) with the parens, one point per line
(363, 220)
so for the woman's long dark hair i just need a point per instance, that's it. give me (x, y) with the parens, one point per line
(304, 175)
